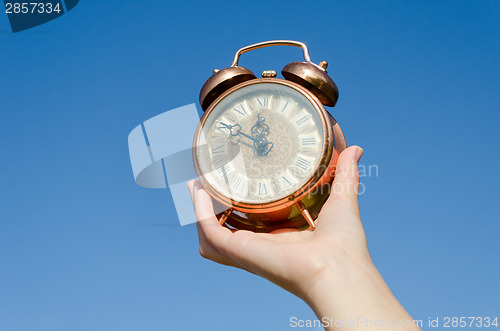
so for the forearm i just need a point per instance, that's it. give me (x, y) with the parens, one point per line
(357, 298)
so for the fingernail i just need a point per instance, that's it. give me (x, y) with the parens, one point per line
(359, 153)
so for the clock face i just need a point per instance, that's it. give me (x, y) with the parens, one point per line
(260, 143)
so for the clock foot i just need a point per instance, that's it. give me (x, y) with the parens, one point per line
(307, 216)
(225, 215)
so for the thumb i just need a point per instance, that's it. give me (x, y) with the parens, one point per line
(346, 183)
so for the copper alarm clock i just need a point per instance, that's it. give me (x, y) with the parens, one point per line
(266, 148)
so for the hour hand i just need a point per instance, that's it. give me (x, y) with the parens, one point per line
(261, 145)
(260, 129)
(234, 130)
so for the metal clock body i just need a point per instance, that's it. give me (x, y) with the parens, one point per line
(266, 148)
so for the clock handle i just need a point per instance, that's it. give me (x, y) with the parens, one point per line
(305, 213)
(294, 43)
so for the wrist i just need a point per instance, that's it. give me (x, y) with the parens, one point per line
(340, 279)
(354, 290)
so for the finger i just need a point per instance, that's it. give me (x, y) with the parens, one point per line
(190, 186)
(209, 252)
(345, 186)
(341, 208)
(216, 242)
(340, 214)
(243, 249)
(205, 214)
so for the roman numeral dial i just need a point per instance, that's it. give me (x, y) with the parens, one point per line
(302, 166)
(267, 114)
(241, 110)
(261, 189)
(263, 101)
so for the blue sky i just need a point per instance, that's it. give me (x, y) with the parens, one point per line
(80, 244)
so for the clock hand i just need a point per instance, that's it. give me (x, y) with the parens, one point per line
(260, 135)
(261, 145)
(260, 124)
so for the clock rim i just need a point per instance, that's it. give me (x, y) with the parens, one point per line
(286, 201)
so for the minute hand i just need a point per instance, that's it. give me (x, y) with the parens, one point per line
(261, 145)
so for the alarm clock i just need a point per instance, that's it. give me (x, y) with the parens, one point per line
(265, 148)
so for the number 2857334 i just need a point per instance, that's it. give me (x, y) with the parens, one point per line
(31, 8)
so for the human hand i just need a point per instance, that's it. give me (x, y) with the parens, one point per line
(329, 268)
